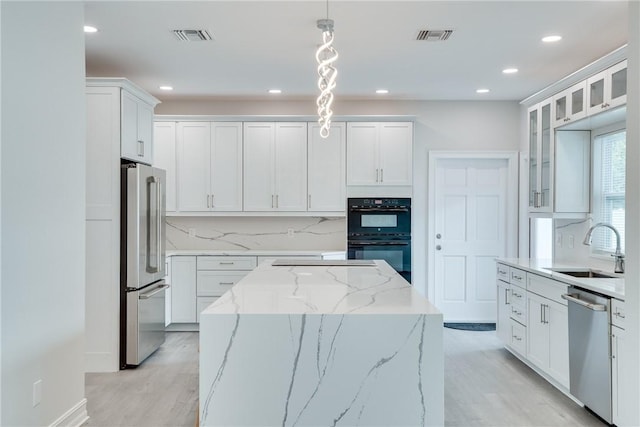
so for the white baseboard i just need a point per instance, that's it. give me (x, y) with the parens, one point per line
(74, 417)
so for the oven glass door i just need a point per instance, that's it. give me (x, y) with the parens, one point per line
(397, 254)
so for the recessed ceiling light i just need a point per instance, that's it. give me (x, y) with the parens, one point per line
(275, 91)
(551, 39)
(90, 29)
(382, 91)
(166, 87)
(482, 91)
(510, 70)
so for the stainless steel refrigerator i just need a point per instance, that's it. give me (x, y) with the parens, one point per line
(142, 262)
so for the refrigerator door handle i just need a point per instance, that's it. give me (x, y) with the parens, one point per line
(159, 260)
(152, 244)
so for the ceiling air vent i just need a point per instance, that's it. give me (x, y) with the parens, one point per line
(434, 35)
(192, 35)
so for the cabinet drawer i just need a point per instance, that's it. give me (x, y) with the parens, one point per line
(518, 296)
(518, 277)
(502, 272)
(518, 337)
(216, 283)
(519, 314)
(551, 289)
(226, 263)
(203, 302)
(618, 313)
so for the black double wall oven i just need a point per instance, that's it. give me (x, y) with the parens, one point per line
(380, 228)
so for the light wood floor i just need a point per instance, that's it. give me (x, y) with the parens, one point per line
(484, 386)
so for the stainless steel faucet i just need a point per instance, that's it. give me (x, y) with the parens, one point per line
(618, 255)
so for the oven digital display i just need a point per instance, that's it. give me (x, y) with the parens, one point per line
(379, 221)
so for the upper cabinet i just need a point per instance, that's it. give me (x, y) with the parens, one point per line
(570, 104)
(326, 169)
(540, 157)
(275, 166)
(164, 157)
(607, 89)
(209, 164)
(379, 154)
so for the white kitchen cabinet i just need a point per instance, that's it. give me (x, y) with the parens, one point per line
(202, 303)
(275, 166)
(540, 157)
(137, 129)
(608, 89)
(183, 289)
(209, 166)
(570, 104)
(379, 153)
(167, 295)
(503, 324)
(164, 148)
(327, 169)
(548, 328)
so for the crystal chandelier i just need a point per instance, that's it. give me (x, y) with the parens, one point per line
(326, 56)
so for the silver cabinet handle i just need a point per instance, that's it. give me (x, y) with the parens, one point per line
(226, 262)
(309, 202)
(208, 201)
(506, 296)
(277, 202)
(157, 290)
(513, 276)
(377, 175)
(381, 175)
(212, 201)
(574, 298)
(140, 148)
(618, 314)
(517, 338)
(226, 283)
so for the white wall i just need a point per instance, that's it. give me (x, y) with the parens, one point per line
(43, 179)
(632, 225)
(439, 125)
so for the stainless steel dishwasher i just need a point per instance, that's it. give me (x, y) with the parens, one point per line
(590, 350)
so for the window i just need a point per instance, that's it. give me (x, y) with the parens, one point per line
(609, 153)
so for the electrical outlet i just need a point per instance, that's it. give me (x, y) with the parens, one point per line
(290, 232)
(192, 232)
(37, 393)
(559, 239)
(571, 241)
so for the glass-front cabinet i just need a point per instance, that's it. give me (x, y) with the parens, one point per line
(540, 157)
(607, 89)
(570, 104)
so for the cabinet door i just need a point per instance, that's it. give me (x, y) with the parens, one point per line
(326, 174)
(145, 131)
(557, 318)
(259, 141)
(503, 327)
(546, 158)
(538, 332)
(617, 88)
(533, 158)
(203, 303)
(226, 166)
(183, 289)
(362, 160)
(395, 153)
(570, 105)
(291, 167)
(573, 166)
(193, 166)
(623, 405)
(607, 89)
(130, 148)
(164, 141)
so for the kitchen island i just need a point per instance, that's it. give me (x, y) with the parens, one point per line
(321, 346)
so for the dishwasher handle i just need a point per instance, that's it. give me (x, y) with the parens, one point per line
(590, 306)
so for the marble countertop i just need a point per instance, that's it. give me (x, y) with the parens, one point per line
(611, 287)
(172, 252)
(322, 290)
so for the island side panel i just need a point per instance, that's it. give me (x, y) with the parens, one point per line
(321, 369)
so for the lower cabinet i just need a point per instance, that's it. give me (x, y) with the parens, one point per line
(623, 406)
(503, 325)
(548, 337)
(183, 289)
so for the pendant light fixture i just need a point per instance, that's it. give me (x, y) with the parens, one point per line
(326, 55)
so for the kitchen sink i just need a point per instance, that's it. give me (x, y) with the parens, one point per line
(586, 273)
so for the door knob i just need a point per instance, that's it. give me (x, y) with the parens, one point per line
(438, 247)
(438, 236)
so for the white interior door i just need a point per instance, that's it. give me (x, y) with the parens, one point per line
(470, 231)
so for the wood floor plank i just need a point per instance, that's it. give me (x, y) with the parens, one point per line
(485, 385)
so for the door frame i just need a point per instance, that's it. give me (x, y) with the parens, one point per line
(511, 203)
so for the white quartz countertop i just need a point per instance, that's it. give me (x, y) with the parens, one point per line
(174, 252)
(611, 287)
(322, 290)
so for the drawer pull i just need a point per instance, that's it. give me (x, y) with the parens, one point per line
(517, 338)
(516, 277)
(227, 262)
(618, 314)
(227, 283)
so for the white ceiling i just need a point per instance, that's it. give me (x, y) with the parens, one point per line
(260, 45)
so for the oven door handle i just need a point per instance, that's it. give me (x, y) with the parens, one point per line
(379, 209)
(379, 243)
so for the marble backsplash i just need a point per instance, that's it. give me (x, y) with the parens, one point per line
(256, 233)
